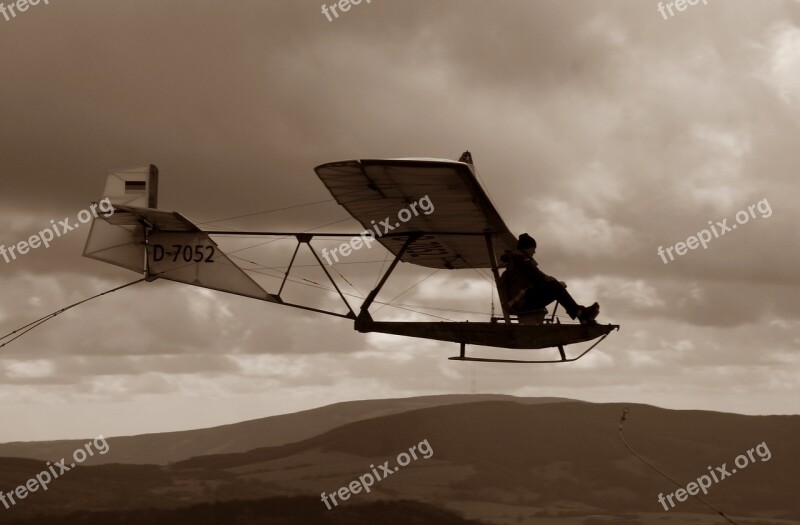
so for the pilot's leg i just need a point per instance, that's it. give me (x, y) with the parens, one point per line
(585, 314)
(540, 296)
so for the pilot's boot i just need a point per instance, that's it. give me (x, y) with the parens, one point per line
(587, 314)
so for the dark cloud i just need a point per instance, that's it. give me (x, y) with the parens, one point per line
(600, 128)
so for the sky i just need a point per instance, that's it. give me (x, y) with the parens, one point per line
(603, 128)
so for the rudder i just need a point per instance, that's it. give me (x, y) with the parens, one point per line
(133, 187)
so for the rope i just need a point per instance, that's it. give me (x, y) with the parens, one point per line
(34, 324)
(697, 497)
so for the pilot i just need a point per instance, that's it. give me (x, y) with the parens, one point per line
(528, 288)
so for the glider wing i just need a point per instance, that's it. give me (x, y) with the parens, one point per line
(455, 228)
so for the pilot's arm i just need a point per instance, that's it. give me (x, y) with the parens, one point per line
(533, 272)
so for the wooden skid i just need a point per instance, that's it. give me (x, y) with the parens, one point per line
(562, 353)
(512, 361)
(491, 334)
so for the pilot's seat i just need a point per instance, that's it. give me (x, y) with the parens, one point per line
(531, 316)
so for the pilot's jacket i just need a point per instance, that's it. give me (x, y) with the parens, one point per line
(522, 273)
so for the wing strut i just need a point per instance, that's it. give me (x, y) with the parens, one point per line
(364, 313)
(501, 293)
(289, 269)
(306, 238)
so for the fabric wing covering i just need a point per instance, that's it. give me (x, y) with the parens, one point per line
(454, 232)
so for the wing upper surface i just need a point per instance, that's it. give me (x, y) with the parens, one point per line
(455, 228)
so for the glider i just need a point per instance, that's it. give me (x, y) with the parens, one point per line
(465, 232)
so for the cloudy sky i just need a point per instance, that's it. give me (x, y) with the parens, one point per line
(599, 127)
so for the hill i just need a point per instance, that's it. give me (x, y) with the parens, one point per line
(167, 447)
(496, 461)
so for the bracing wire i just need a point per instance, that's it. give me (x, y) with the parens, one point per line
(266, 211)
(697, 497)
(262, 269)
(19, 332)
(314, 284)
(281, 238)
(348, 282)
(380, 272)
(389, 302)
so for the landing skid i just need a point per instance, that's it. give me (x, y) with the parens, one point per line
(564, 359)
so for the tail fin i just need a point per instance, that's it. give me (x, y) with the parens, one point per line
(121, 242)
(133, 187)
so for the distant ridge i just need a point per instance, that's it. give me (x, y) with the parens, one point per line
(169, 447)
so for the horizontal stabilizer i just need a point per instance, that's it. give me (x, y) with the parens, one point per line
(162, 244)
(193, 258)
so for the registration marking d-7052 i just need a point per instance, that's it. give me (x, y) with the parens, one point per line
(187, 252)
